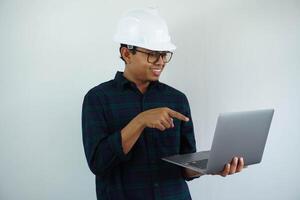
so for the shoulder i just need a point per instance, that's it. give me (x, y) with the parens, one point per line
(101, 89)
(169, 90)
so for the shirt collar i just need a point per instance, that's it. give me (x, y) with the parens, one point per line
(122, 81)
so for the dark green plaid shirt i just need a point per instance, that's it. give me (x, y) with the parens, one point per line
(140, 174)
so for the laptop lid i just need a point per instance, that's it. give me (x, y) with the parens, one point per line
(241, 134)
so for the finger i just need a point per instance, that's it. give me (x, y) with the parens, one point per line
(170, 120)
(225, 171)
(172, 123)
(240, 165)
(178, 115)
(167, 119)
(233, 165)
(160, 126)
(166, 123)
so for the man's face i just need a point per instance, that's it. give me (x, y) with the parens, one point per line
(141, 69)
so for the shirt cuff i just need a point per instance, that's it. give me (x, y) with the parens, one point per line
(115, 142)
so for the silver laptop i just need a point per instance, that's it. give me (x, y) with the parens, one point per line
(241, 134)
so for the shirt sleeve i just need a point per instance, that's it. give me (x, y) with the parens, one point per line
(103, 149)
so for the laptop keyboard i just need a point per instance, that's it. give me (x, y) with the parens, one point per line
(199, 163)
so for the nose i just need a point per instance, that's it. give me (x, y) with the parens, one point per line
(160, 60)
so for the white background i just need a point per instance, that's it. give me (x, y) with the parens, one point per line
(231, 55)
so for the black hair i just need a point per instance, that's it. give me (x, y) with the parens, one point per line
(132, 50)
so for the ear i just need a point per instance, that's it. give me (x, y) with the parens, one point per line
(126, 55)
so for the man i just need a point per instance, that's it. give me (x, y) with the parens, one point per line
(131, 122)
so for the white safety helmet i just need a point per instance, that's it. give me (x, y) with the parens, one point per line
(144, 28)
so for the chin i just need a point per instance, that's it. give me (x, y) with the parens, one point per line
(154, 78)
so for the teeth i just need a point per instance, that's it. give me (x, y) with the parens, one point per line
(156, 71)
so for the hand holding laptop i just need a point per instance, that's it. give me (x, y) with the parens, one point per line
(236, 165)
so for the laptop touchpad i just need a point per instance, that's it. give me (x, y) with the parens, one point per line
(199, 163)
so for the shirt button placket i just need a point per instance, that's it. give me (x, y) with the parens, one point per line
(151, 162)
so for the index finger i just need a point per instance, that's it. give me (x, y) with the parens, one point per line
(178, 115)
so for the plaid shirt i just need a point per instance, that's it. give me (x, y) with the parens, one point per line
(140, 174)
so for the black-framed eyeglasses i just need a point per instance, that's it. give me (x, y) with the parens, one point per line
(153, 56)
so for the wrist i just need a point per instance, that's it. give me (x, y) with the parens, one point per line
(139, 121)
